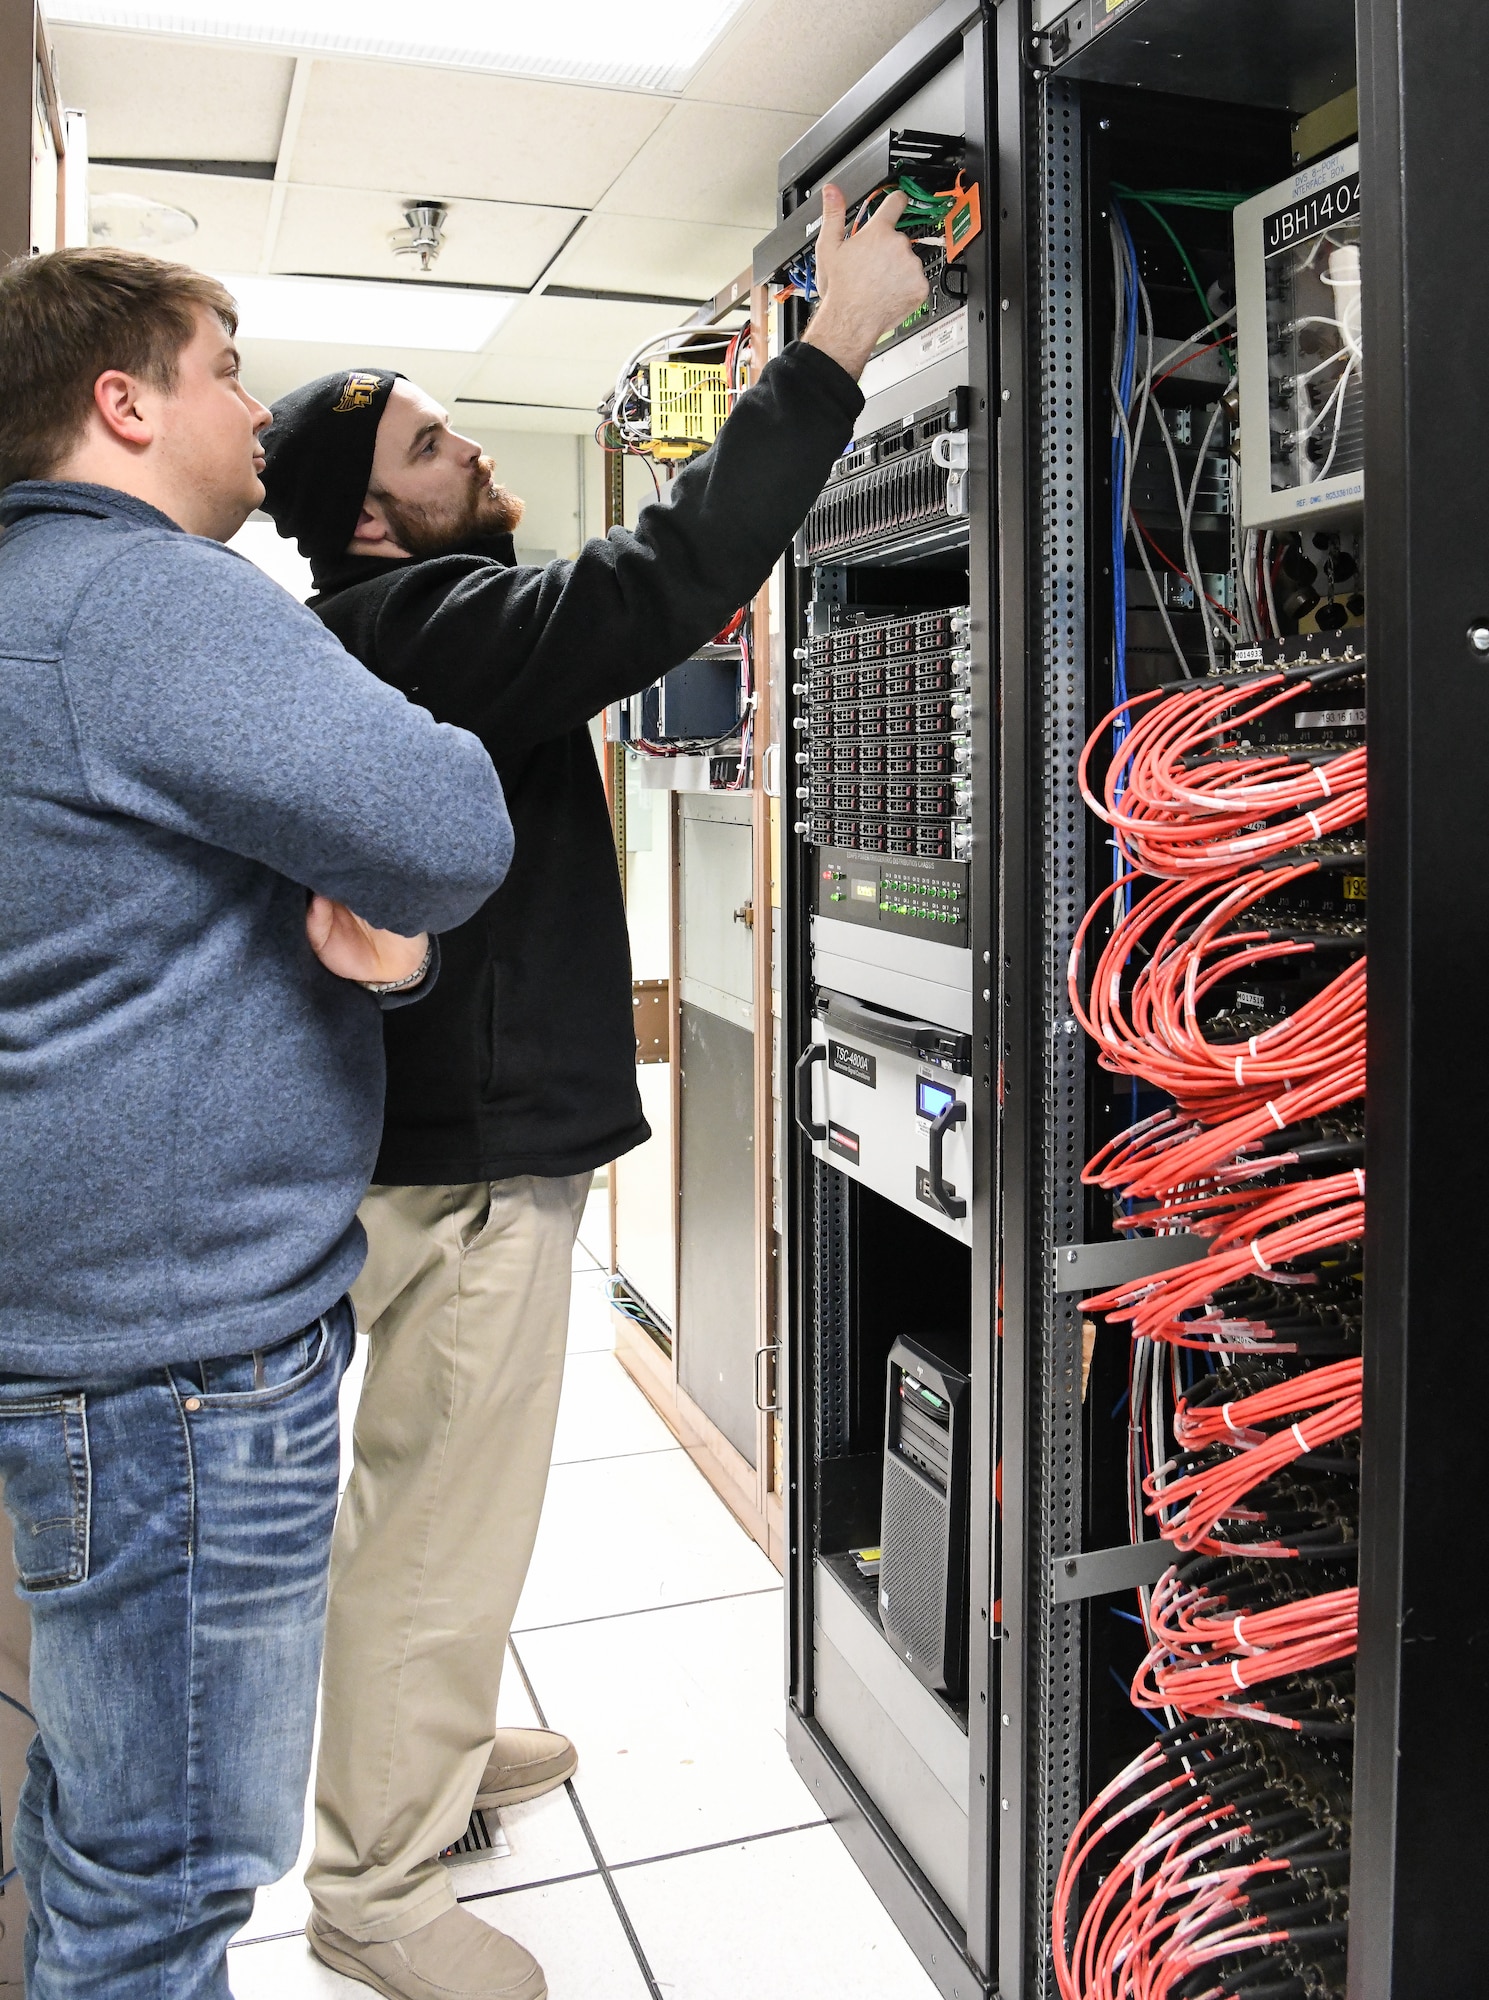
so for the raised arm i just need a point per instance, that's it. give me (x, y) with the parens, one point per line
(521, 655)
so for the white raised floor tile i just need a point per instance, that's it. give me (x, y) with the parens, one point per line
(545, 1841)
(786, 1915)
(679, 1716)
(604, 1415)
(591, 1324)
(626, 1534)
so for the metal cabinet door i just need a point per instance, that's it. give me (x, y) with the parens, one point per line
(716, 1302)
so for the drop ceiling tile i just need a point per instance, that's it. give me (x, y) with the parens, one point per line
(231, 215)
(273, 367)
(148, 97)
(343, 232)
(638, 253)
(773, 59)
(446, 132)
(709, 163)
(564, 352)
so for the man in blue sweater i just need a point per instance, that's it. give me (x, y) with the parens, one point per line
(197, 791)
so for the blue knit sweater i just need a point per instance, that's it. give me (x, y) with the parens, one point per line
(190, 1103)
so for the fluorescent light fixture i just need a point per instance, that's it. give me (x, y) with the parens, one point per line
(643, 45)
(352, 313)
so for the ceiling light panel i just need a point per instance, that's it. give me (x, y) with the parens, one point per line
(433, 317)
(645, 45)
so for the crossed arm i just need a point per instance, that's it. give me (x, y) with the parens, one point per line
(353, 949)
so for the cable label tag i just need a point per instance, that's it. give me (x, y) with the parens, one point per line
(1330, 718)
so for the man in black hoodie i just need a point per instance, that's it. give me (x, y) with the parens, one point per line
(515, 1079)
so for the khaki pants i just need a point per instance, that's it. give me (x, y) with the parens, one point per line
(465, 1299)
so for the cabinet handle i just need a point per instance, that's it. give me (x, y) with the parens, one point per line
(815, 1052)
(950, 1205)
(771, 1347)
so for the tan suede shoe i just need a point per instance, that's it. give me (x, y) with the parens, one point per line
(525, 1763)
(457, 1957)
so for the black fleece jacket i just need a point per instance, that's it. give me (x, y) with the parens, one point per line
(523, 1058)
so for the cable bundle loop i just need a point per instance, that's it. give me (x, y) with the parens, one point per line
(1205, 1651)
(1197, 1906)
(1187, 796)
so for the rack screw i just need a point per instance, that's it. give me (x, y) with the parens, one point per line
(1478, 636)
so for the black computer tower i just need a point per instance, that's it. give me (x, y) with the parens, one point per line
(924, 1550)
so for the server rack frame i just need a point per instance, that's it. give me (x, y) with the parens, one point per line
(1421, 1844)
(1421, 1840)
(959, 1960)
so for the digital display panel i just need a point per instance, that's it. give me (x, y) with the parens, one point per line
(931, 1098)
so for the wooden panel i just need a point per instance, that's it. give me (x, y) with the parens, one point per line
(652, 1000)
(17, 74)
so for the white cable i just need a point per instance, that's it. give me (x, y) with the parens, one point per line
(1186, 544)
(1329, 361)
(1190, 555)
(1323, 471)
(1324, 408)
(1133, 437)
(1249, 583)
(1266, 560)
(1167, 362)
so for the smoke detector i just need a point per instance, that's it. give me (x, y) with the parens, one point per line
(137, 221)
(425, 235)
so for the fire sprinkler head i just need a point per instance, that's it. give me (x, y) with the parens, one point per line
(424, 237)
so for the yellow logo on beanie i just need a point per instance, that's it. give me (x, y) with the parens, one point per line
(357, 392)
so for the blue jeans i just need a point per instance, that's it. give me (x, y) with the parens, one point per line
(172, 1533)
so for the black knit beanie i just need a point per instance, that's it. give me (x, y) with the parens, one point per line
(319, 458)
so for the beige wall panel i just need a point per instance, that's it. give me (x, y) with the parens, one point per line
(638, 253)
(444, 132)
(231, 215)
(148, 97)
(565, 351)
(344, 232)
(784, 56)
(544, 472)
(709, 163)
(546, 419)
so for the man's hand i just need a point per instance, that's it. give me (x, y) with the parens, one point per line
(869, 282)
(352, 949)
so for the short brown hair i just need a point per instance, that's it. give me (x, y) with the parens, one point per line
(68, 317)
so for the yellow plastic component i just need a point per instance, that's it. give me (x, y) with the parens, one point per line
(689, 401)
